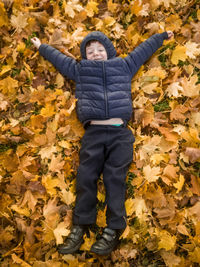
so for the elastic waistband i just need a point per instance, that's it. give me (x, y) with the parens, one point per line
(112, 121)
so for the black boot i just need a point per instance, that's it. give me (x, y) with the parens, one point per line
(107, 243)
(73, 241)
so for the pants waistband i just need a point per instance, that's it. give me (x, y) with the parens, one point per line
(112, 121)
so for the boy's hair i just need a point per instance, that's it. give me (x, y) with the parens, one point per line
(92, 41)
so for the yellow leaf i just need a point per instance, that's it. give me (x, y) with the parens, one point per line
(179, 184)
(112, 6)
(140, 208)
(8, 87)
(5, 69)
(101, 218)
(67, 196)
(100, 196)
(109, 21)
(167, 241)
(173, 22)
(22, 263)
(59, 80)
(47, 152)
(21, 47)
(151, 174)
(190, 88)
(198, 14)
(3, 15)
(65, 144)
(91, 8)
(48, 110)
(129, 204)
(69, 10)
(126, 233)
(156, 71)
(88, 242)
(71, 6)
(50, 183)
(22, 211)
(191, 137)
(157, 158)
(192, 49)
(194, 256)
(136, 7)
(60, 231)
(179, 53)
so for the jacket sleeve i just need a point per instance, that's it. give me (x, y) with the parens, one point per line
(65, 65)
(144, 51)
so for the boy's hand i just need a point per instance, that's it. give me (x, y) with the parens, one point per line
(170, 34)
(36, 42)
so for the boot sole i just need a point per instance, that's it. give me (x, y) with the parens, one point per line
(72, 250)
(103, 252)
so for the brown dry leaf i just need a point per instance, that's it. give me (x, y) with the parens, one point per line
(50, 208)
(18, 260)
(30, 200)
(193, 154)
(169, 134)
(19, 21)
(195, 210)
(182, 229)
(171, 260)
(178, 113)
(195, 185)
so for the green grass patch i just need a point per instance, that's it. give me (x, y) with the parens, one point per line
(162, 106)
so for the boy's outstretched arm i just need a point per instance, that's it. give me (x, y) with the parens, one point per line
(145, 50)
(65, 65)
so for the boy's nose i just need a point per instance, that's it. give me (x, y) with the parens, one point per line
(96, 52)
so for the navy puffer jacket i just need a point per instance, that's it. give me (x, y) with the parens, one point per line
(103, 88)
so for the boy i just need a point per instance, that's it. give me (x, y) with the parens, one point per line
(103, 90)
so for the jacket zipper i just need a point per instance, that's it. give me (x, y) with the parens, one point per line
(105, 90)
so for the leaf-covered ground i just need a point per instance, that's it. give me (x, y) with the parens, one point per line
(40, 134)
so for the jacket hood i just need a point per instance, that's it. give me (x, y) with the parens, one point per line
(103, 39)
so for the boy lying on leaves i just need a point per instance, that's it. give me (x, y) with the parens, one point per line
(103, 90)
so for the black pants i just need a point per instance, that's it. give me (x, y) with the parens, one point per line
(107, 150)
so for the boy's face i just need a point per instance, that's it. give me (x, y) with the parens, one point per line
(96, 51)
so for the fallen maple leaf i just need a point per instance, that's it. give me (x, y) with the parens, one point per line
(193, 153)
(19, 21)
(179, 53)
(59, 232)
(167, 241)
(151, 174)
